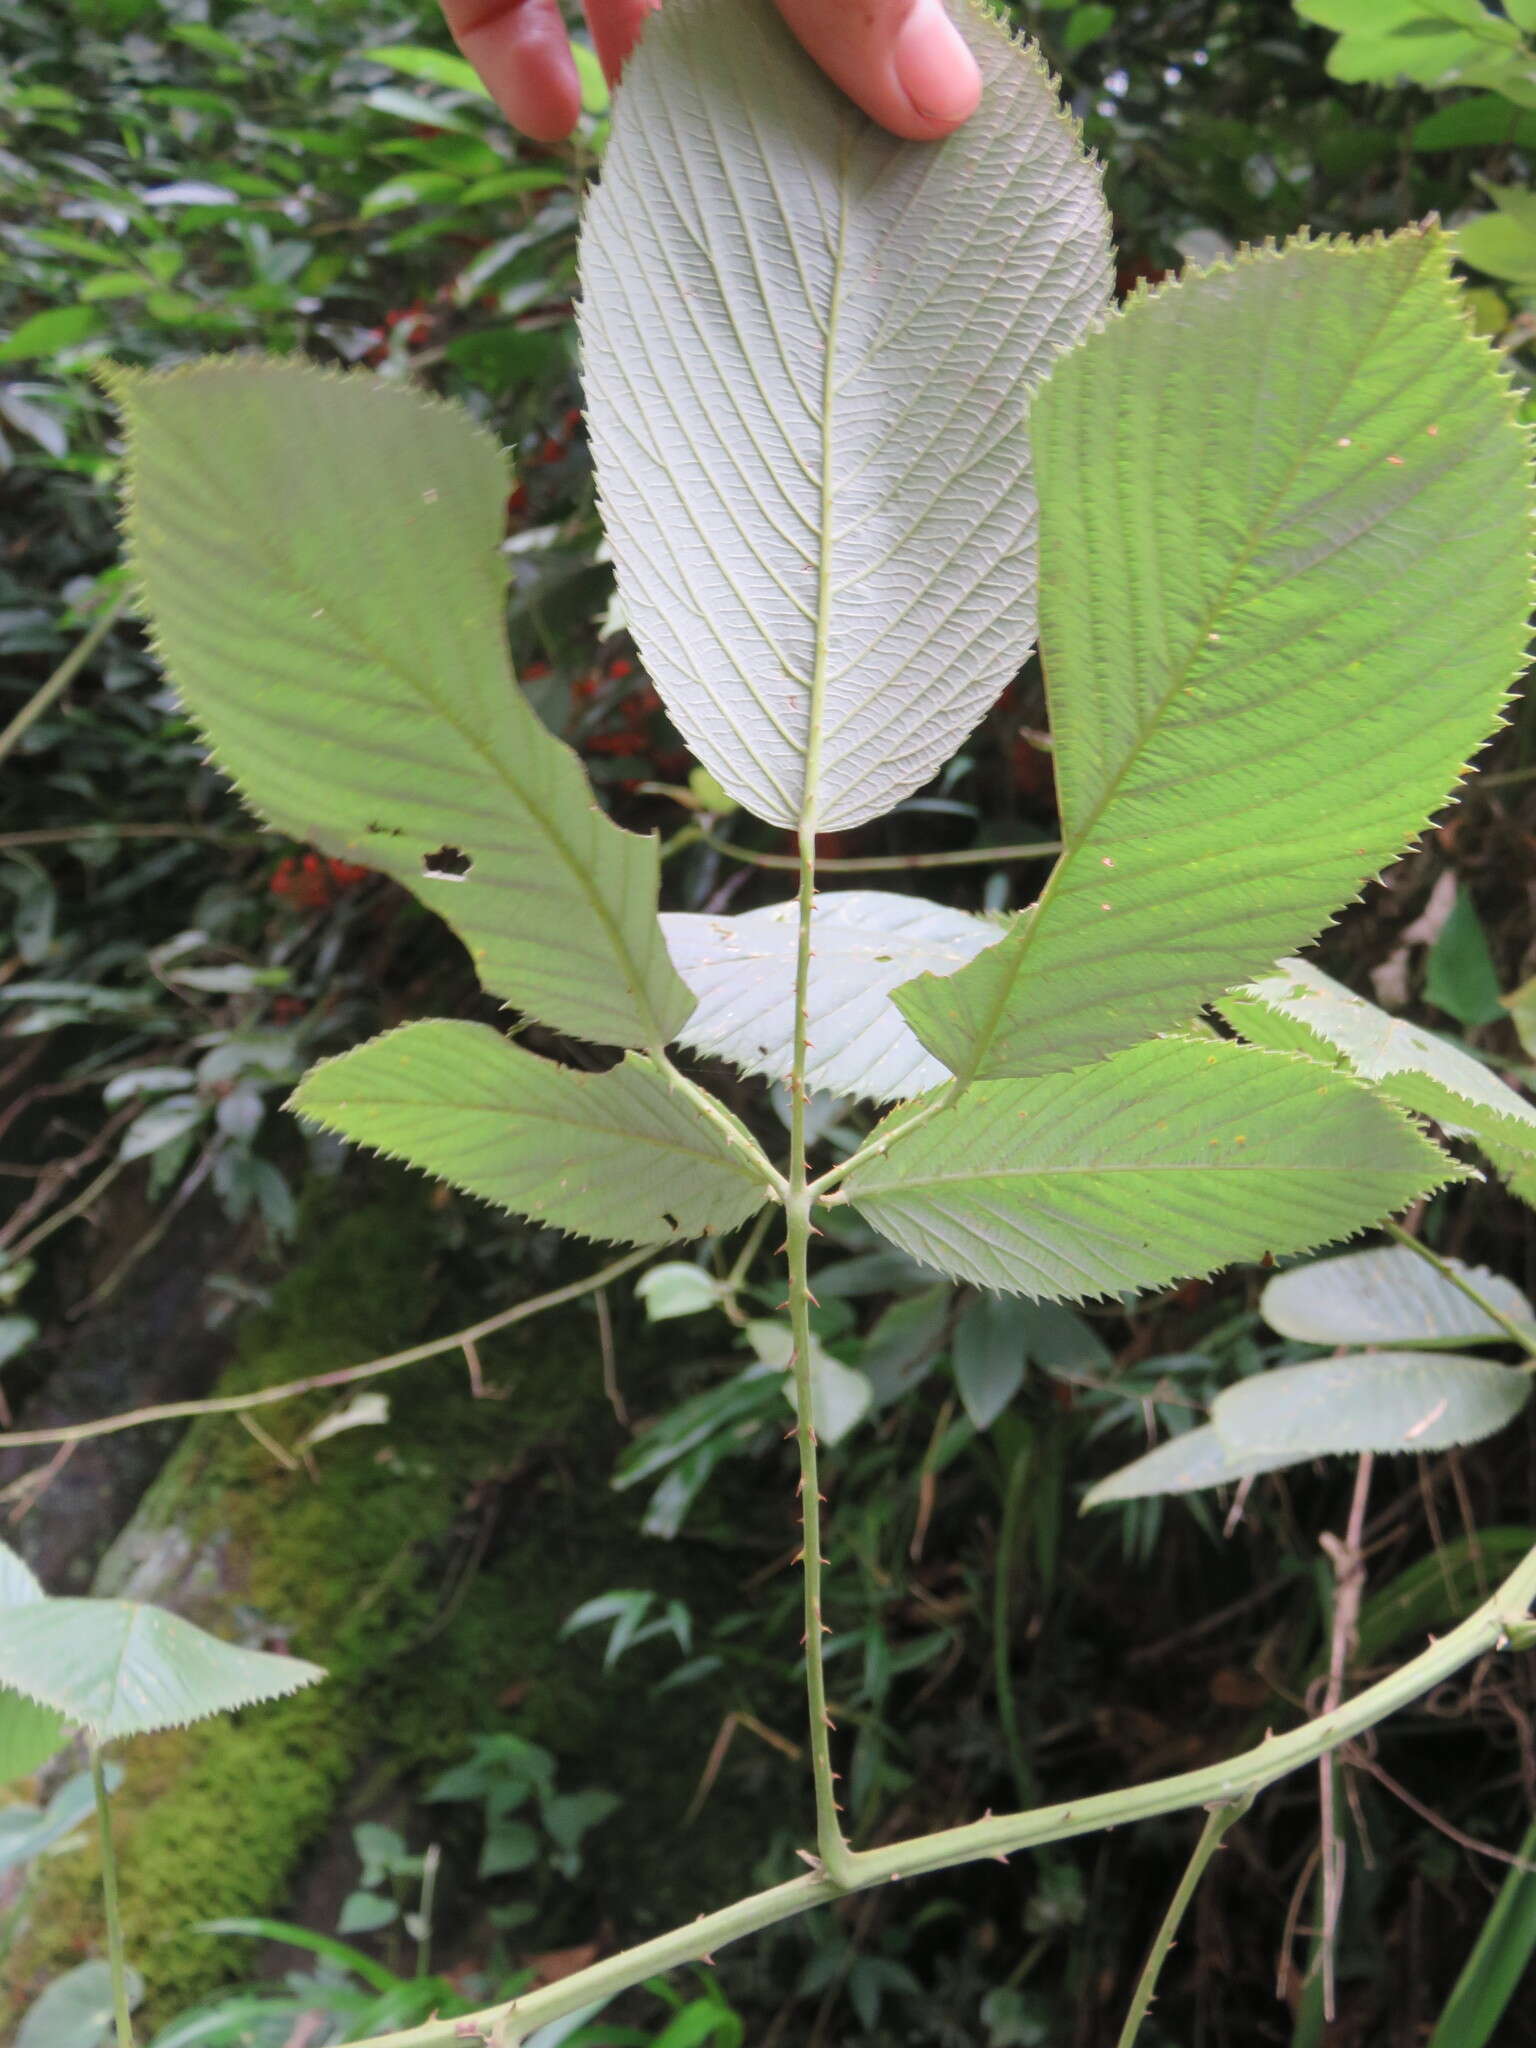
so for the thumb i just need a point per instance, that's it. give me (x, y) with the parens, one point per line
(903, 61)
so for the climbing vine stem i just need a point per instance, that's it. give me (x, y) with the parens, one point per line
(830, 1846)
(1501, 1621)
(121, 2002)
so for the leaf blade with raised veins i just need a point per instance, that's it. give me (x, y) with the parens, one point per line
(1170, 1160)
(1284, 520)
(809, 350)
(319, 558)
(621, 1156)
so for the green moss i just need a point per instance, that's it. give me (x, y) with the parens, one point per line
(428, 1566)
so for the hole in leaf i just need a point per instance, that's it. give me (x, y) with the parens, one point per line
(670, 1220)
(448, 864)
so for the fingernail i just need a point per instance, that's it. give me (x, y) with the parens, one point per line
(934, 68)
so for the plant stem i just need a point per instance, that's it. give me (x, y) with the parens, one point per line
(342, 1376)
(1014, 1482)
(830, 1846)
(120, 2001)
(1217, 1821)
(62, 677)
(1505, 1614)
(736, 1135)
(1526, 1339)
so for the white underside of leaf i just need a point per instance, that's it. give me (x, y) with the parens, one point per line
(809, 350)
(1388, 1296)
(1184, 1464)
(865, 942)
(1368, 1401)
(1301, 1008)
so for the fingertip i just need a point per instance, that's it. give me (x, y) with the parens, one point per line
(935, 69)
(615, 26)
(903, 61)
(523, 55)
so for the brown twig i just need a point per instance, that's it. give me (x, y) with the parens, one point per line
(342, 1376)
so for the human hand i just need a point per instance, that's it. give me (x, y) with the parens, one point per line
(903, 61)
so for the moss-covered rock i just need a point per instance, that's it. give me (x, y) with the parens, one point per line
(427, 1564)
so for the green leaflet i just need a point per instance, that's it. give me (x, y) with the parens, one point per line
(864, 943)
(1388, 1295)
(318, 556)
(809, 353)
(1172, 1159)
(623, 1156)
(1281, 510)
(1299, 1008)
(116, 1667)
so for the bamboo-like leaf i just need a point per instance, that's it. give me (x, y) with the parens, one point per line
(809, 351)
(864, 943)
(622, 1156)
(1298, 1008)
(1184, 1464)
(1172, 1159)
(319, 562)
(1284, 516)
(1369, 1401)
(1388, 1296)
(117, 1667)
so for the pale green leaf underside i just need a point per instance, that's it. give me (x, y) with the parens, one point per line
(1388, 1296)
(1298, 1008)
(75, 2011)
(319, 561)
(1371, 1401)
(840, 1396)
(1284, 516)
(809, 350)
(117, 1668)
(864, 943)
(621, 1156)
(1334, 1407)
(1173, 1159)
(29, 1733)
(1184, 1464)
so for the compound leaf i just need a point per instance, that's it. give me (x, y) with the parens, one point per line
(1169, 1160)
(1387, 1296)
(117, 1667)
(864, 942)
(1184, 1464)
(1283, 516)
(1372, 1401)
(1298, 1008)
(622, 1156)
(319, 561)
(814, 466)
